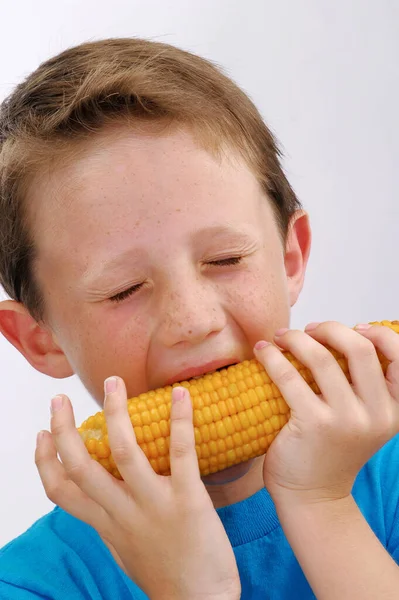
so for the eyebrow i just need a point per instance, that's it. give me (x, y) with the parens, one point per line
(94, 275)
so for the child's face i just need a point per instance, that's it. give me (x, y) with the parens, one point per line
(155, 213)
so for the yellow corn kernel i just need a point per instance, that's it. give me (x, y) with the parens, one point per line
(237, 413)
(102, 449)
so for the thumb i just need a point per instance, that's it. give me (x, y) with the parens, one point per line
(183, 457)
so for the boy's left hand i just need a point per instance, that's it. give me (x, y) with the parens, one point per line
(329, 437)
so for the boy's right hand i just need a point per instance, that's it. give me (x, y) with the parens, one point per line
(162, 530)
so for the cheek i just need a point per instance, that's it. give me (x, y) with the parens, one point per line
(261, 304)
(107, 344)
(129, 339)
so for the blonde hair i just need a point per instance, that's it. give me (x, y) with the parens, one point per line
(77, 93)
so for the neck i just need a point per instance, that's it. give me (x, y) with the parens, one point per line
(235, 484)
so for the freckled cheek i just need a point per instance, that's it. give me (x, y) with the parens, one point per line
(126, 336)
(104, 348)
(260, 306)
(121, 332)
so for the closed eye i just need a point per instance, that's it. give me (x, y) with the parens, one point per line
(223, 262)
(126, 293)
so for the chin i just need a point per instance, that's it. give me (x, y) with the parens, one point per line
(228, 475)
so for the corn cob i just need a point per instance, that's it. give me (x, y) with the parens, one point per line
(237, 413)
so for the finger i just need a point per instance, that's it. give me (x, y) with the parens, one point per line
(386, 341)
(294, 389)
(326, 371)
(60, 489)
(130, 459)
(364, 367)
(88, 475)
(183, 457)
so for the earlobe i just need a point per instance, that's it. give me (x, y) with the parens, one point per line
(297, 253)
(36, 343)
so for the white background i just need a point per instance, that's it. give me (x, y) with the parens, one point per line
(325, 77)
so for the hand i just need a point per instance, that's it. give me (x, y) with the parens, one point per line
(162, 530)
(329, 437)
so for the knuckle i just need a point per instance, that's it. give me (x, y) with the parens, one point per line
(78, 471)
(383, 423)
(121, 454)
(179, 449)
(179, 417)
(355, 428)
(187, 506)
(112, 408)
(324, 422)
(54, 492)
(40, 459)
(356, 424)
(323, 360)
(328, 325)
(286, 375)
(393, 376)
(364, 349)
(58, 428)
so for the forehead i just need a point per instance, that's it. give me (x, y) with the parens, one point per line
(128, 183)
(119, 156)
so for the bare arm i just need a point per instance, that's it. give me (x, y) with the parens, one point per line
(311, 466)
(339, 553)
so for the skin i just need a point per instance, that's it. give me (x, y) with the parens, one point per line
(311, 467)
(187, 313)
(139, 193)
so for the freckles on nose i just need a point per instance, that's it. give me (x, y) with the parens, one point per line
(180, 324)
(171, 323)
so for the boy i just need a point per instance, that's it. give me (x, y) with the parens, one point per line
(149, 235)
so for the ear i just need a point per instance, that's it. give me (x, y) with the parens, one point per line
(297, 252)
(36, 343)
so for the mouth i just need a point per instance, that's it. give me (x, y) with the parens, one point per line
(226, 366)
(200, 371)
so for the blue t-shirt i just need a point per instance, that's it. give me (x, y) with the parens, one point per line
(62, 558)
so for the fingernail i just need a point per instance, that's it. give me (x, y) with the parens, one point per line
(281, 331)
(56, 404)
(261, 344)
(110, 385)
(39, 437)
(311, 326)
(178, 394)
(363, 326)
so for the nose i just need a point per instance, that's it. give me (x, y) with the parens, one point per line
(190, 314)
